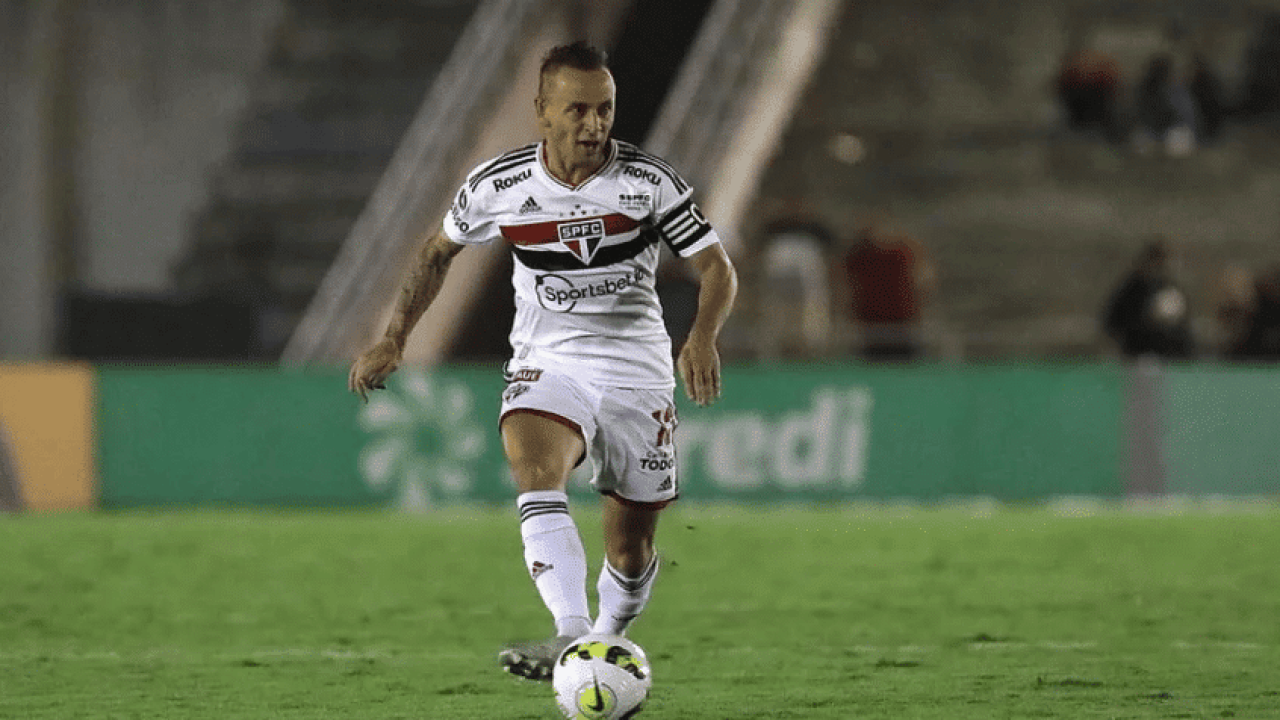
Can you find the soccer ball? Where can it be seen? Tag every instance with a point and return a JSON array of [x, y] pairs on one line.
[[601, 677]]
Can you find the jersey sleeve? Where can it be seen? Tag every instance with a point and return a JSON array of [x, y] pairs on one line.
[[680, 223], [467, 222], [685, 229]]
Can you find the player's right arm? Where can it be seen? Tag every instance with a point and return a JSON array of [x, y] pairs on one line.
[[371, 369]]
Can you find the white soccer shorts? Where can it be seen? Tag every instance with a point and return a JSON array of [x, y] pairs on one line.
[[629, 433]]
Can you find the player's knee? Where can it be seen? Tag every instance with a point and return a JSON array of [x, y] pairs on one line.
[[539, 474]]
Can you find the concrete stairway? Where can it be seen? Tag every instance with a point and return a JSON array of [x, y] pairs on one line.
[[341, 85]]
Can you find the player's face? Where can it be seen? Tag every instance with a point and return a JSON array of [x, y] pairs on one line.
[[575, 114]]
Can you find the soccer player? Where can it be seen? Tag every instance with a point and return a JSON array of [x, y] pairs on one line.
[[591, 371]]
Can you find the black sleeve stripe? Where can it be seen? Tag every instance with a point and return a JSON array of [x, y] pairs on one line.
[[635, 152], [508, 155], [680, 186], [676, 213], [683, 226], [510, 165], [654, 159], [505, 162], [688, 240], [501, 164], [677, 182]]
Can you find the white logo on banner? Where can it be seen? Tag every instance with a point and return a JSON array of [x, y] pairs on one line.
[[821, 446], [424, 440]]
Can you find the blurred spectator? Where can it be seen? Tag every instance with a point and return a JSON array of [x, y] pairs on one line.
[[1206, 92], [1149, 314], [887, 278], [1088, 87], [1262, 69], [796, 302], [1233, 309], [1166, 110], [1262, 339]]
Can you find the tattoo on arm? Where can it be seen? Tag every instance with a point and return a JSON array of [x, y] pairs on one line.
[[421, 286]]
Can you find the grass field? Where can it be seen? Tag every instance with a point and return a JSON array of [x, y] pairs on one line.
[[875, 612]]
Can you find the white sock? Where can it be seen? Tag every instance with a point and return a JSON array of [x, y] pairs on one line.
[[622, 599], [555, 559]]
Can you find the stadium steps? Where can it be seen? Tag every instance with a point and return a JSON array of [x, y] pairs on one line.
[[342, 82], [1031, 225]]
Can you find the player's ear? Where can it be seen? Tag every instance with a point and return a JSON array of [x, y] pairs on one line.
[[540, 110]]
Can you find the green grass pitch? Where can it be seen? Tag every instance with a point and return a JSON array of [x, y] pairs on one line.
[[861, 612]]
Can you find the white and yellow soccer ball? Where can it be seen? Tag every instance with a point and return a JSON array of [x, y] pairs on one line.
[[601, 677]]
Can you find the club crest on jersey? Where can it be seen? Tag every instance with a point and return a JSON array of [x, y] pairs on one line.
[[582, 238]]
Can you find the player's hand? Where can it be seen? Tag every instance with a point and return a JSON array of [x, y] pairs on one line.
[[371, 369], [699, 367]]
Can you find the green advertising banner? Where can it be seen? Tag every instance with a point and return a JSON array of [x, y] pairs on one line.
[[921, 432], [255, 436], [279, 437], [1222, 430]]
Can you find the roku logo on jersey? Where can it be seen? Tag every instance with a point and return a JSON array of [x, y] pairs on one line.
[[500, 184], [646, 175], [559, 294]]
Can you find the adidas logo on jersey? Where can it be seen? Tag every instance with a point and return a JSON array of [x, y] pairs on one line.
[[530, 206], [666, 484]]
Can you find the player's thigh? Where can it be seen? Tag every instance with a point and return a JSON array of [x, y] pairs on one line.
[[547, 423]]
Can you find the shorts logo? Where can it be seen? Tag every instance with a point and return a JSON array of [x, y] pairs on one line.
[[658, 461], [526, 375], [500, 184], [557, 293], [668, 421], [582, 238], [514, 391], [538, 567]]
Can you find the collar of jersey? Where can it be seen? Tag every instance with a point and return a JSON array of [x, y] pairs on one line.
[[542, 165]]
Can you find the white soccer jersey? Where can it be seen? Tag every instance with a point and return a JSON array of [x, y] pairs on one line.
[[585, 258]]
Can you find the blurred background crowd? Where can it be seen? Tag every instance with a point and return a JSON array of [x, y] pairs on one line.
[[1052, 179]]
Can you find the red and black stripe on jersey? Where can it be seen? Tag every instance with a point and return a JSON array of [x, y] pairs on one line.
[[524, 237], [555, 261], [545, 233]]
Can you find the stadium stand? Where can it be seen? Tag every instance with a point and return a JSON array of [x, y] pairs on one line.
[[342, 83], [953, 111]]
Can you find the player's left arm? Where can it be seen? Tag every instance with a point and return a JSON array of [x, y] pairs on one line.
[[699, 360]]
